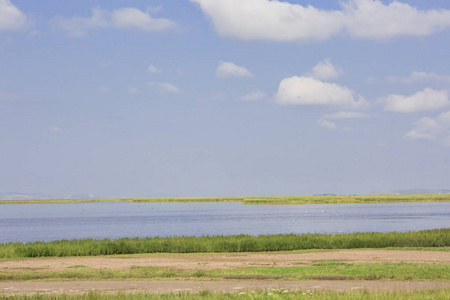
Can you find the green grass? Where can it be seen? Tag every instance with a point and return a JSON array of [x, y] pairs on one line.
[[237, 243], [264, 199], [270, 294], [76, 267], [342, 271], [325, 270]]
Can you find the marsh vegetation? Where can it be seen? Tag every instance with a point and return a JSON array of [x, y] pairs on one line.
[[236, 243], [264, 199]]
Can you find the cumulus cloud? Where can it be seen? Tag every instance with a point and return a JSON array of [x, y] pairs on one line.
[[254, 96], [229, 69], [346, 115], [284, 21], [11, 18], [437, 129], [325, 70], [126, 18], [327, 124], [309, 91], [428, 99], [373, 19], [420, 77], [153, 69], [166, 87], [270, 20]]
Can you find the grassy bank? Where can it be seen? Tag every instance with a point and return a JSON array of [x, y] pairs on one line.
[[326, 270], [270, 294], [238, 243], [264, 200]]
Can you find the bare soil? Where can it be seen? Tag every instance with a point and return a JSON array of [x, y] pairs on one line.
[[223, 260], [215, 261], [177, 286]]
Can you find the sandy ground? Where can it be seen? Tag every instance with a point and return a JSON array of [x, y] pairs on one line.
[[223, 260], [214, 261], [177, 286]]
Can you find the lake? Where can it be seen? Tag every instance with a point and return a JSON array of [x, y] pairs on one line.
[[56, 221]]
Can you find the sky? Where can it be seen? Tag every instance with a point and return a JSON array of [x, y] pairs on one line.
[[185, 98]]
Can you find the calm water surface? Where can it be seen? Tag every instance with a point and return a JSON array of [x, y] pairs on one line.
[[47, 222]]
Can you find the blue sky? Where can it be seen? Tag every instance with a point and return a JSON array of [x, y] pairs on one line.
[[223, 97]]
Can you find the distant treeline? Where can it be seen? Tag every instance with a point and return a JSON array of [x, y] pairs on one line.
[[236, 243]]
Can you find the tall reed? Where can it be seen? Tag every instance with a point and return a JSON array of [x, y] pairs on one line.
[[236, 243]]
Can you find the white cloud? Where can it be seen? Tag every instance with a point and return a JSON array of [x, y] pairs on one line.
[[420, 77], [229, 69], [254, 96], [325, 70], [437, 129], [164, 86], [153, 69], [11, 18], [270, 20], [309, 91], [428, 99], [346, 115], [130, 17], [374, 20], [127, 18], [425, 128], [169, 87], [284, 21], [327, 124], [78, 26]]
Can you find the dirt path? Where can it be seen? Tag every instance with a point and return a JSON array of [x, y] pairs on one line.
[[176, 286], [223, 260], [213, 261]]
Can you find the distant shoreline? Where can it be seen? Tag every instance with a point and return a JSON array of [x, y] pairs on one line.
[[328, 199]]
